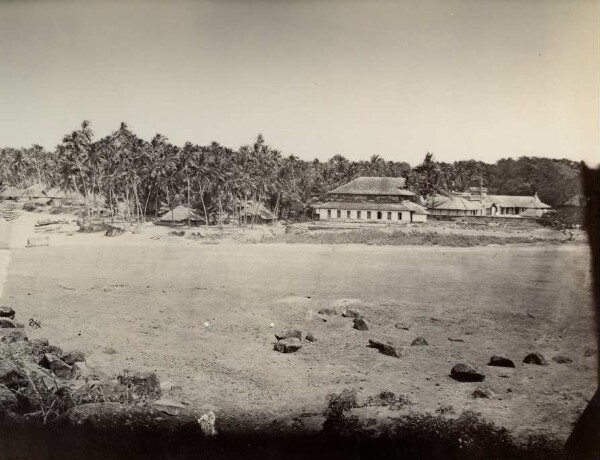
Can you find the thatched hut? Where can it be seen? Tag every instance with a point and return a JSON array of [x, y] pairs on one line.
[[11, 193], [180, 215], [263, 214], [35, 192]]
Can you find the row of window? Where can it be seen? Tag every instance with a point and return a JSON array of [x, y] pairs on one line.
[[359, 215]]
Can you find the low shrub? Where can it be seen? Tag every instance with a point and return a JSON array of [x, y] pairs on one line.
[[564, 218]]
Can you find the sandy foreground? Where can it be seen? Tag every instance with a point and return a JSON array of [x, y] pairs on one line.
[[200, 316]]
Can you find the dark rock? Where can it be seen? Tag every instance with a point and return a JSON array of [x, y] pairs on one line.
[[500, 361], [177, 233], [58, 367], [7, 312], [386, 348], [8, 400], [288, 334], [73, 357], [310, 337], [535, 358], [361, 324], [7, 323], [589, 352], [560, 359], [483, 392], [41, 377], [115, 416], [114, 231], [141, 384], [290, 345], [455, 339], [352, 313], [169, 406], [403, 326], [419, 341], [328, 311], [39, 347], [465, 373]]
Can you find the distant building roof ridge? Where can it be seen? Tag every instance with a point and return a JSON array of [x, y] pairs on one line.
[[365, 185]]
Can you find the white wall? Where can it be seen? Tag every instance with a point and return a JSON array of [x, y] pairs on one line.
[[404, 215]]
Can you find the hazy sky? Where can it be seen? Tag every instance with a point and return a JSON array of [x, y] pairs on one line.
[[465, 79]]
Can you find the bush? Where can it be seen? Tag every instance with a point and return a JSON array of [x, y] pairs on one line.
[[29, 206], [564, 218], [338, 417]]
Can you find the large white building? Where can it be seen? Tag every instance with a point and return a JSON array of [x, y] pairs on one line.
[[374, 199]]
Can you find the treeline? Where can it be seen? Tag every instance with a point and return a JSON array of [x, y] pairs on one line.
[[143, 177]]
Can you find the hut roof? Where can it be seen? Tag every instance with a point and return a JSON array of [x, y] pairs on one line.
[[55, 192], [452, 202], [11, 192], [262, 211], [179, 214], [35, 191], [373, 206], [507, 201], [374, 186]]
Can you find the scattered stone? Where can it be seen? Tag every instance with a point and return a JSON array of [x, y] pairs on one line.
[[454, 339], [560, 359], [352, 313], [419, 341], [535, 358], [290, 333], [39, 347], [41, 376], [386, 348], [109, 351], [289, 345], [73, 357], [483, 392], [465, 373], [403, 326], [177, 233], [7, 323], [168, 406], [8, 400], [361, 324], [7, 312], [141, 384], [10, 375], [500, 361], [310, 337], [61, 369], [328, 311]]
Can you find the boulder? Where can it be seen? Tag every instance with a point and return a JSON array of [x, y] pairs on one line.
[[361, 324], [41, 377], [114, 231], [73, 357], [10, 375], [8, 400], [13, 335], [403, 326], [328, 312], [535, 358], [310, 337], [7, 312], [589, 352], [115, 416], [351, 313], [500, 361], [290, 345], [465, 373], [290, 333], [386, 348], [561, 359], [39, 347], [169, 406], [483, 392], [419, 341], [6, 323], [58, 367], [141, 384]]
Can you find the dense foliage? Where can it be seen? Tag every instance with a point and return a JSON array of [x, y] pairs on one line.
[[139, 177]]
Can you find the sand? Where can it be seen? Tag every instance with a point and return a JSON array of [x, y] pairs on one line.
[[149, 300]]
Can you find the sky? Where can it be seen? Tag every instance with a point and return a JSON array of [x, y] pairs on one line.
[[464, 79]]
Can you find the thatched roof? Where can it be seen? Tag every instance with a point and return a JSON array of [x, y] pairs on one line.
[[55, 192], [452, 202], [508, 201], [180, 214], [11, 192], [373, 206], [387, 186], [35, 191], [262, 211]]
